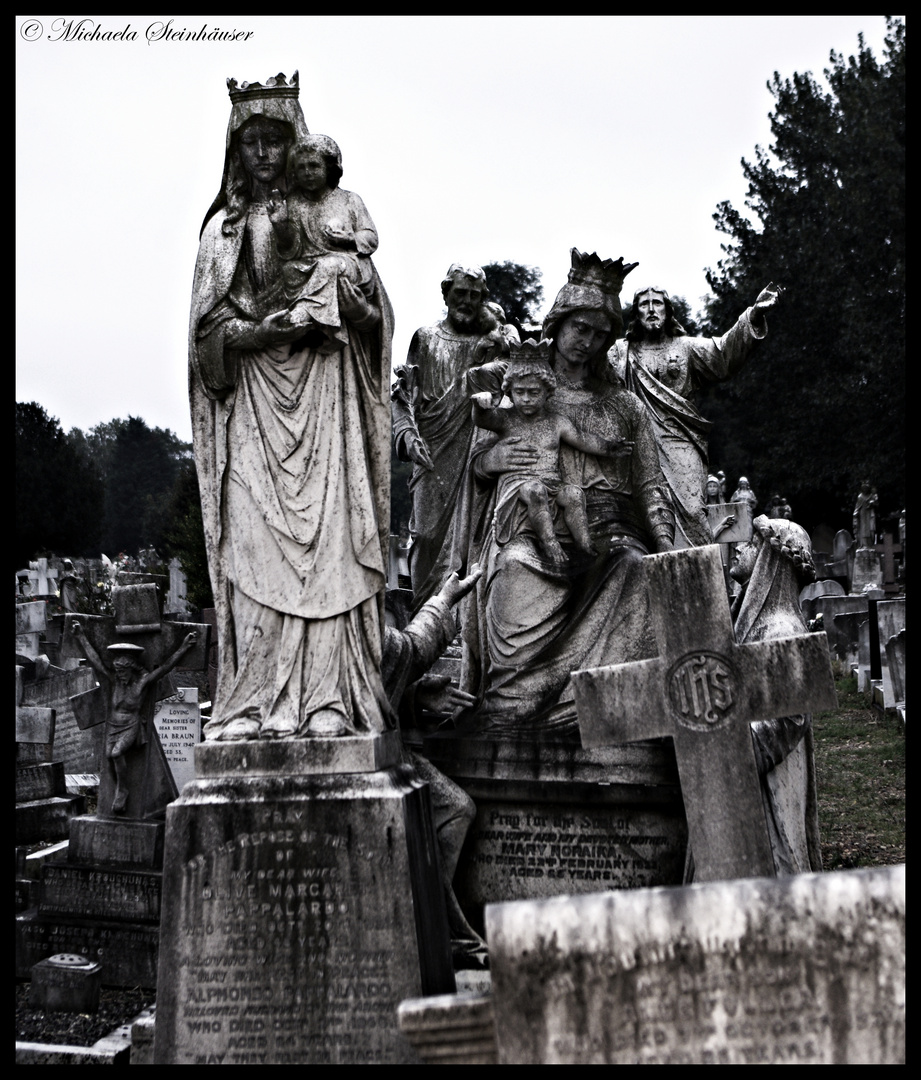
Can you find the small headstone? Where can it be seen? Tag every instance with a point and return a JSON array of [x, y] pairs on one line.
[[30, 628], [43, 807], [176, 598], [890, 619], [845, 634], [812, 592], [842, 555], [808, 969], [450, 1029], [867, 572], [823, 539], [895, 659], [178, 724]]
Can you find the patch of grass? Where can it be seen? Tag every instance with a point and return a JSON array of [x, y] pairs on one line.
[[860, 771]]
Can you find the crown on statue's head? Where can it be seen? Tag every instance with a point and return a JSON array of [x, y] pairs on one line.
[[530, 352], [277, 87], [607, 274]]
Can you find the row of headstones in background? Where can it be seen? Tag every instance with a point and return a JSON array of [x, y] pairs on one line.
[[876, 567], [808, 969], [864, 632], [40, 579]]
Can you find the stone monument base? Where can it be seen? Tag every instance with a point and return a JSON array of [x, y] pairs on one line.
[[299, 910], [553, 818], [867, 573]]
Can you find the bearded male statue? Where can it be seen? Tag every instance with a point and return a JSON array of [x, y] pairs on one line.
[[665, 368], [432, 424]]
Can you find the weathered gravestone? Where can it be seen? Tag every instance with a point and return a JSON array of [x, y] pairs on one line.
[[890, 620], [30, 628], [808, 969], [842, 556], [44, 810], [552, 817], [178, 723], [895, 660], [704, 691]]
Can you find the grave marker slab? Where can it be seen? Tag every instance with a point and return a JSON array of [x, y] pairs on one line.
[[808, 969], [890, 620], [704, 690], [178, 724]]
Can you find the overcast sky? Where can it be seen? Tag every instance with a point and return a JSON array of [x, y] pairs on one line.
[[470, 139]]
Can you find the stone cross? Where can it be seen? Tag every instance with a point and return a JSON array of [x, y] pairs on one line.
[[137, 620], [888, 549], [704, 690], [43, 578]]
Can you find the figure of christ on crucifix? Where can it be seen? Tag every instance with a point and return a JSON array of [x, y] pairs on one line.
[[128, 683], [705, 690]]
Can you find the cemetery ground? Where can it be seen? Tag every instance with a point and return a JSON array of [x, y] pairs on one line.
[[860, 765]]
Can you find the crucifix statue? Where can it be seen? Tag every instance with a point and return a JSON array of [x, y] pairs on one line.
[[129, 655], [705, 690]]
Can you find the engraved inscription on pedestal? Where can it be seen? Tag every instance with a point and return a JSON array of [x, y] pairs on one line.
[[518, 851], [295, 929]]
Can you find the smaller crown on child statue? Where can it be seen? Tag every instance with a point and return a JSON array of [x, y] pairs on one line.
[[278, 86], [607, 274], [530, 351]]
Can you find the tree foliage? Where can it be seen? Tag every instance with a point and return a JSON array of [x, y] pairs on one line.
[[184, 536], [139, 466], [82, 493], [517, 288], [58, 493], [820, 407]]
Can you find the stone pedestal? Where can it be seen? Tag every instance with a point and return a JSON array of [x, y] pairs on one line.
[[553, 818], [302, 903], [867, 573]]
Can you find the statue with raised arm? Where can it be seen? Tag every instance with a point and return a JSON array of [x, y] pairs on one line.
[[432, 424], [130, 708], [665, 367]]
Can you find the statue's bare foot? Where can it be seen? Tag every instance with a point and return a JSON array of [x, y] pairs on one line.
[[327, 724], [237, 730], [279, 727], [120, 801]]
